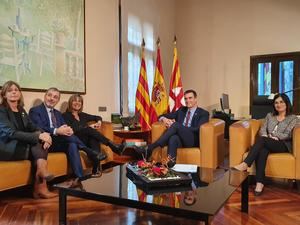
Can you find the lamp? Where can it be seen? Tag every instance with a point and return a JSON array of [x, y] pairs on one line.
[[272, 95]]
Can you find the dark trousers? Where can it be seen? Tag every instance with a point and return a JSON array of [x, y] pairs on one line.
[[177, 136], [92, 138], [70, 145], [259, 153]]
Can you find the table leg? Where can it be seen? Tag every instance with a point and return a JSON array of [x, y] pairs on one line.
[[245, 195], [62, 207], [208, 220]]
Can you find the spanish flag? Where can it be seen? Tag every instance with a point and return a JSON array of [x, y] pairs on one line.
[[159, 99], [176, 98], [142, 100]]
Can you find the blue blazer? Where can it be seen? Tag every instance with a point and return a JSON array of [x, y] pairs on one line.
[[200, 117], [39, 116]]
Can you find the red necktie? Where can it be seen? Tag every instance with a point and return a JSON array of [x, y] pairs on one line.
[[186, 124], [53, 119]]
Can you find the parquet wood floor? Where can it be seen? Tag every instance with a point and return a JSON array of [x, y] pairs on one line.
[[279, 204]]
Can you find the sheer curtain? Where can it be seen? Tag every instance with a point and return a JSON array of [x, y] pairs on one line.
[[136, 25], [136, 32]]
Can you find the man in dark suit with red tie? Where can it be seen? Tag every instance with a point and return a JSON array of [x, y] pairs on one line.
[[183, 128], [46, 117]]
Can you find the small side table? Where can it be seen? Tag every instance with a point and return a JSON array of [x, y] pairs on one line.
[[122, 135]]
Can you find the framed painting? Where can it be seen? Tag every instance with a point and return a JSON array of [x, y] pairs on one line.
[[42, 44]]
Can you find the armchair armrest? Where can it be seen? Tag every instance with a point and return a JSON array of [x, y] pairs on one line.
[[158, 128], [296, 149], [211, 142], [107, 130], [240, 141], [255, 127]]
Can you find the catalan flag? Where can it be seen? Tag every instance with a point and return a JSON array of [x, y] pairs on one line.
[[142, 100], [176, 98], [159, 99]]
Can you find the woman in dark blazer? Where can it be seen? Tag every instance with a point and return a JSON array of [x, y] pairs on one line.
[[275, 136], [87, 133], [20, 139]]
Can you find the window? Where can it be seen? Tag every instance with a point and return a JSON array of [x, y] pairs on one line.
[[276, 73], [136, 32]]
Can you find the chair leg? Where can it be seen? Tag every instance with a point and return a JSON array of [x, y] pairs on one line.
[[296, 184], [251, 179]]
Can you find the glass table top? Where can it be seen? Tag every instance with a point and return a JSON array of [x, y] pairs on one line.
[[209, 190]]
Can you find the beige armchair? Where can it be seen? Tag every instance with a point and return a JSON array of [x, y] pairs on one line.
[[211, 152], [279, 165]]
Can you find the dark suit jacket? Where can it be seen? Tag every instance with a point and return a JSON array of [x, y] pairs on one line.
[[84, 118], [39, 116], [10, 133], [200, 117]]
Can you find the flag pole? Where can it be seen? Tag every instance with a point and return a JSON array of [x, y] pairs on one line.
[[158, 42], [176, 90]]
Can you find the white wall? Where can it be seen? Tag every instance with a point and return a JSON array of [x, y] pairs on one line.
[[102, 55], [216, 39]]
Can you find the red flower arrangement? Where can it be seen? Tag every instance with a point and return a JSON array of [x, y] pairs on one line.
[[155, 169]]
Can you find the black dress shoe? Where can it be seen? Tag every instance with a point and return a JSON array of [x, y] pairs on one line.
[[94, 154], [171, 163], [75, 183], [139, 150], [143, 151], [96, 175]]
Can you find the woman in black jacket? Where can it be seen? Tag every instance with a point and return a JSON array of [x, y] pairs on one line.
[[20, 139], [86, 132]]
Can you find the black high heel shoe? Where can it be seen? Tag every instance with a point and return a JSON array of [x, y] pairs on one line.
[[258, 193], [117, 148]]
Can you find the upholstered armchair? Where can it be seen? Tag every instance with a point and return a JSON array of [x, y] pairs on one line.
[[279, 165], [211, 152]]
